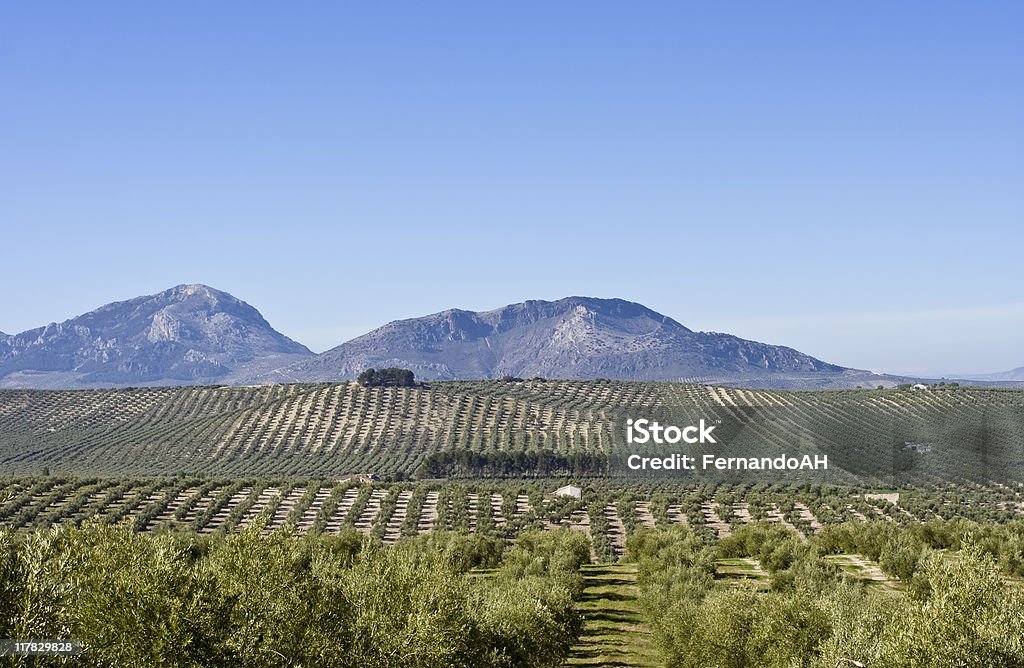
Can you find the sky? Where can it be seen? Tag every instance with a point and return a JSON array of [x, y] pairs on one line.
[[843, 178]]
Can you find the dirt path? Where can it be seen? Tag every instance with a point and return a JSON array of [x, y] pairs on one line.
[[712, 520], [864, 569], [616, 530], [644, 515], [614, 633]]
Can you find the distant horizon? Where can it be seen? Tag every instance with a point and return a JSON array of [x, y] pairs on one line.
[[359, 331], [842, 179]]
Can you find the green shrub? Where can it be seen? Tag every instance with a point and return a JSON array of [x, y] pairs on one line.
[[253, 601]]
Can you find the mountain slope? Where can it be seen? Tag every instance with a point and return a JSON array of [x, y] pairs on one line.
[[330, 430], [187, 334], [1012, 375], [572, 338]]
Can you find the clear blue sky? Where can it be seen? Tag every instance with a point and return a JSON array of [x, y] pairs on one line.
[[846, 178]]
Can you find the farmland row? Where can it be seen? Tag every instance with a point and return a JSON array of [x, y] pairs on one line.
[[390, 511], [490, 428]]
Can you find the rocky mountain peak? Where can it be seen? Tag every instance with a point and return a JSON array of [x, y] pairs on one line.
[[574, 338], [193, 333], [190, 333]]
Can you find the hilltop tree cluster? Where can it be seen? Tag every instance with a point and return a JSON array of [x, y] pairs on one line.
[[390, 377]]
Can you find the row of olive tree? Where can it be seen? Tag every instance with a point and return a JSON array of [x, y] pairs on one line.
[[959, 611], [900, 549], [286, 600]]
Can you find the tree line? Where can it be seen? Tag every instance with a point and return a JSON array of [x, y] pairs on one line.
[[389, 377], [467, 463]]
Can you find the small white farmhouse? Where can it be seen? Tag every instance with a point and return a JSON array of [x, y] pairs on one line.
[[917, 387], [569, 490]]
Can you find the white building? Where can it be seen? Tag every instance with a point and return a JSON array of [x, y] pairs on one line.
[[569, 490]]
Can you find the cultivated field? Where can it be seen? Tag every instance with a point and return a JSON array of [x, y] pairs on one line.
[[252, 573], [609, 513], [232, 513], [494, 428]]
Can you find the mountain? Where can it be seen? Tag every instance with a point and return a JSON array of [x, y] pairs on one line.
[[188, 334], [572, 338], [1015, 374], [1012, 375]]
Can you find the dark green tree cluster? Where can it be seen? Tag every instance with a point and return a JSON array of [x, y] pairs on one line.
[[390, 377], [500, 463]]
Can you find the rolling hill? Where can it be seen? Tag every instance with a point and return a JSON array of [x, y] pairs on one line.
[[484, 428], [1012, 376]]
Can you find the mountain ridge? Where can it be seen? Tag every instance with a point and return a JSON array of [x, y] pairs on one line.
[[574, 337], [1011, 375], [187, 334], [194, 334]]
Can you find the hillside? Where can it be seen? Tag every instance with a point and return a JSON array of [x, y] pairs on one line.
[[185, 335], [1012, 375], [493, 428], [574, 338]]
